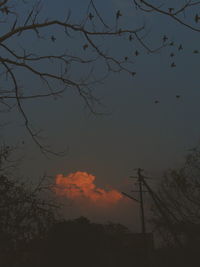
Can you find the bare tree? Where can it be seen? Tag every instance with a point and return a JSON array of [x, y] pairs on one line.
[[179, 194], [26, 212], [88, 48], [55, 72], [18, 58]]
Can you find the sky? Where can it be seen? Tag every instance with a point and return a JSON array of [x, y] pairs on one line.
[[134, 131]]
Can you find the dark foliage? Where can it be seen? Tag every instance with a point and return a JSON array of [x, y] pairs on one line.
[[82, 243], [25, 212]]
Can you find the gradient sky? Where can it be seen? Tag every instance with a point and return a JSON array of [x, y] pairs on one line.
[[137, 132]]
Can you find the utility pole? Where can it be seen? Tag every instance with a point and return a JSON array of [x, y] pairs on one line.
[[140, 190], [140, 181], [164, 211]]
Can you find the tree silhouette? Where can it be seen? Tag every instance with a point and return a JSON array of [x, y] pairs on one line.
[[24, 59], [88, 41], [179, 195], [81, 242], [25, 212]]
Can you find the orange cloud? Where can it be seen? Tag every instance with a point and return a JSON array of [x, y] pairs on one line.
[[80, 185]]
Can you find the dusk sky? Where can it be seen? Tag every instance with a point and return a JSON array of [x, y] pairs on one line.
[[134, 131]]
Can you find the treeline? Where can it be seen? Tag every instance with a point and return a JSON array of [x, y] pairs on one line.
[[33, 234]]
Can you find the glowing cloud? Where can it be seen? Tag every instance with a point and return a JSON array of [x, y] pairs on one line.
[[80, 185]]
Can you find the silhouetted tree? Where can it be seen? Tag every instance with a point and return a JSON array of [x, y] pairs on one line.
[[179, 194], [87, 39], [25, 212], [54, 72], [81, 242]]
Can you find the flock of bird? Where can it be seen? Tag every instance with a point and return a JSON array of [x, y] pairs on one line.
[[136, 53]]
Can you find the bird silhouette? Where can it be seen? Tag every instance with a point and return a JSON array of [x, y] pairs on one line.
[[130, 37], [136, 53], [90, 16], [178, 96], [197, 18], [171, 44], [173, 65], [156, 101], [196, 52], [125, 58], [180, 47], [53, 38], [171, 9], [85, 46], [5, 10], [172, 55], [165, 38], [118, 14]]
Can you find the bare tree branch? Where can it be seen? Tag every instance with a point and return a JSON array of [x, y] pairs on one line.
[[57, 72], [170, 13]]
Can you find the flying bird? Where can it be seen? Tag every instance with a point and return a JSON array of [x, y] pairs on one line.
[[196, 52], [165, 38], [197, 18], [173, 65], [130, 38], [178, 96], [170, 9], [136, 53], [180, 47], [53, 38], [90, 16], [156, 101], [171, 55], [85, 46], [118, 14], [5, 10]]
